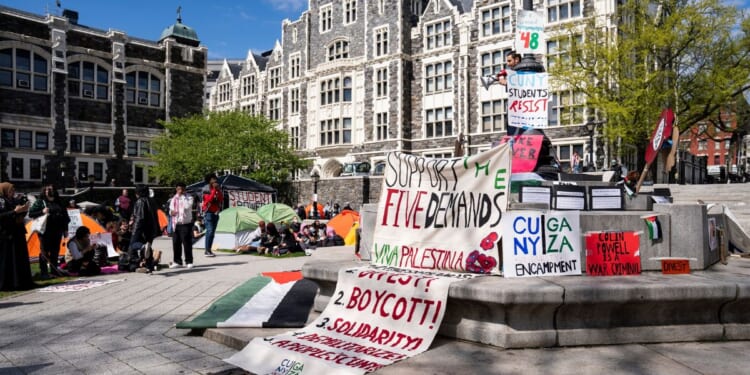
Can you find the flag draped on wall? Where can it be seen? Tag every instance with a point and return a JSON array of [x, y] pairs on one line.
[[654, 227]]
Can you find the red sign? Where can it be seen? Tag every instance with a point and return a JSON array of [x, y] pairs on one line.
[[613, 253], [675, 266], [525, 151], [662, 131]]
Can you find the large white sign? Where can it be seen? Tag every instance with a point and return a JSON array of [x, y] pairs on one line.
[[528, 95], [251, 199], [530, 37]]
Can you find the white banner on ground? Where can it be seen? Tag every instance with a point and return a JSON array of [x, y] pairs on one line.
[[541, 243], [251, 199], [528, 95], [376, 316], [442, 214]]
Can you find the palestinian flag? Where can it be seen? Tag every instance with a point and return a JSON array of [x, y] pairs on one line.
[[654, 227], [260, 302]]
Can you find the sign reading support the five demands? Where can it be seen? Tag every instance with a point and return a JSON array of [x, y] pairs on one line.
[[530, 37], [442, 214], [528, 94], [613, 253], [541, 244]]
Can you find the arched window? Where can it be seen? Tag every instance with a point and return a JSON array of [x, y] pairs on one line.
[[143, 88], [338, 50], [88, 80], [23, 69]]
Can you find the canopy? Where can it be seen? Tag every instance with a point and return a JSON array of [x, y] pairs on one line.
[[277, 212], [33, 241], [238, 219], [344, 222], [239, 191]]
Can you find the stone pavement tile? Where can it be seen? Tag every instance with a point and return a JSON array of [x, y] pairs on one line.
[[169, 368], [109, 344], [167, 347], [115, 368], [202, 344], [135, 352], [203, 363], [50, 369], [147, 339], [709, 357], [227, 369], [184, 355], [143, 363]]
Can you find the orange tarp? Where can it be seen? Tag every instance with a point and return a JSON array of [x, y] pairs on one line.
[[163, 221], [343, 223], [33, 240], [321, 212]]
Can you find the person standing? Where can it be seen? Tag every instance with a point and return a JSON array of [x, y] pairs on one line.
[[145, 229], [123, 205], [56, 227], [213, 201], [181, 212], [15, 269]]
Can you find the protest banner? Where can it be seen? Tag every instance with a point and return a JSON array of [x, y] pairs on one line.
[[376, 316], [541, 243], [250, 199], [525, 150], [613, 253], [442, 214], [528, 94], [75, 221]]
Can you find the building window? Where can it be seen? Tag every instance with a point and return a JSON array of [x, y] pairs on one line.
[[350, 11], [439, 77], [248, 85], [381, 7], [145, 148], [274, 78], [76, 143], [438, 35], [702, 145], [294, 35], [9, 138], [274, 109], [493, 115], [98, 171], [338, 50], [42, 141], [565, 108], [89, 145], [381, 82], [558, 50], [439, 155], [496, 20], [294, 137], [24, 139], [727, 143], [332, 90], [103, 145], [294, 101], [336, 131], [225, 92], [561, 10], [347, 89], [381, 41], [143, 88], [381, 126], [294, 66], [717, 159], [88, 80], [439, 122], [35, 169], [16, 168], [138, 174], [416, 7], [23, 69], [132, 148], [326, 18], [83, 170], [494, 62]]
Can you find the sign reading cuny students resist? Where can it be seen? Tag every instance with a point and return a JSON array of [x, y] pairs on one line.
[[376, 316], [442, 214], [528, 94], [613, 253], [541, 244]]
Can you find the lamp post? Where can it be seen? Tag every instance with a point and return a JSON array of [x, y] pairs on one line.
[[315, 176], [91, 180], [62, 176], [591, 127]]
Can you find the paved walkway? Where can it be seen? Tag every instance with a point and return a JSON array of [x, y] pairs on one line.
[[128, 328]]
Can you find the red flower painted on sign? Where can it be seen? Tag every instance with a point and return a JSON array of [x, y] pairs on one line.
[[489, 241], [480, 263]]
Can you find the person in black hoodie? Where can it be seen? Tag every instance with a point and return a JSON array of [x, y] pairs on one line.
[[145, 230], [49, 204], [15, 271]]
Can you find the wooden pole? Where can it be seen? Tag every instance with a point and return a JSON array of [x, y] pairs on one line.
[[642, 177]]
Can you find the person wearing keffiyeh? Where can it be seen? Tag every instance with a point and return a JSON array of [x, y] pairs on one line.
[[180, 208]]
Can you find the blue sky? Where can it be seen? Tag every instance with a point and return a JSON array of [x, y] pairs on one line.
[[228, 28]]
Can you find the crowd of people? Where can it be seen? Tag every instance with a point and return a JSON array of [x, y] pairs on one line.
[[289, 237]]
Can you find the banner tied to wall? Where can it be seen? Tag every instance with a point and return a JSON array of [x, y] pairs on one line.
[[438, 221]]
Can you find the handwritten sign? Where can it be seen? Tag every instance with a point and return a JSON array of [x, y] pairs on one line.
[[530, 36], [251, 199], [376, 316], [528, 94], [541, 244], [675, 266], [525, 151], [442, 214], [75, 221], [613, 253], [106, 240]]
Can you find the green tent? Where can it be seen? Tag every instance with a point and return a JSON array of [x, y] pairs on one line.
[[277, 212], [238, 219]]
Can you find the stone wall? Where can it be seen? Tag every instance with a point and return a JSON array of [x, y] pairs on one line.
[[356, 190]]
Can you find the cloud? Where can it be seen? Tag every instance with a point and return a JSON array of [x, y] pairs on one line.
[[288, 5]]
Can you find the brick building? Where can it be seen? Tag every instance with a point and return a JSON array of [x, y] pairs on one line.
[[81, 105]]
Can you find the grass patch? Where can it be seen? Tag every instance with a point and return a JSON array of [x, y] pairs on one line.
[[40, 283]]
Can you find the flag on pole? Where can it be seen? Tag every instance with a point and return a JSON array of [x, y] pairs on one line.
[[654, 227]]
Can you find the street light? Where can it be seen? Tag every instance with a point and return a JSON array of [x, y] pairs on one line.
[[315, 176], [591, 127]]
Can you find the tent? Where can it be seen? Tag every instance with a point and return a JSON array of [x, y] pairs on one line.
[[163, 220], [321, 211], [344, 223], [239, 191], [234, 228], [33, 241], [277, 212]]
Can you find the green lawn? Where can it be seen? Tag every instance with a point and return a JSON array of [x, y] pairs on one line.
[[39, 282]]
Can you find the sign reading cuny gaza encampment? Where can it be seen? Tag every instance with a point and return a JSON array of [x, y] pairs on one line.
[[442, 214], [528, 94]]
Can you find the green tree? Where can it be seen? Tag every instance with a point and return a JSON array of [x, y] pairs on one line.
[[193, 146], [690, 55]]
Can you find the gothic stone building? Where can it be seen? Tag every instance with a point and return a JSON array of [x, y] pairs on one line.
[[80, 104], [353, 79]]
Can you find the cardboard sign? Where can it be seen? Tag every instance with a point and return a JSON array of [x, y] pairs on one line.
[[442, 214], [541, 244], [75, 221], [528, 94], [250, 199], [663, 130], [613, 253], [525, 150], [530, 36], [675, 266]]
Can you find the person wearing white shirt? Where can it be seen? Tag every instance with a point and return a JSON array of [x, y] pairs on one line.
[[181, 211]]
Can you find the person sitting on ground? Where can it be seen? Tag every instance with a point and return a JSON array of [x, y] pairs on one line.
[[255, 239], [332, 239], [295, 225], [198, 229], [269, 240], [80, 256], [122, 245], [307, 240], [287, 242]]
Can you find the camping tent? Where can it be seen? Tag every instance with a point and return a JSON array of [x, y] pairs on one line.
[[234, 228], [277, 212], [321, 211], [344, 223], [240, 191], [33, 241]]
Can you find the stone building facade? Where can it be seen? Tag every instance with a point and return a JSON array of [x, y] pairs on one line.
[[80, 105], [351, 80]]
